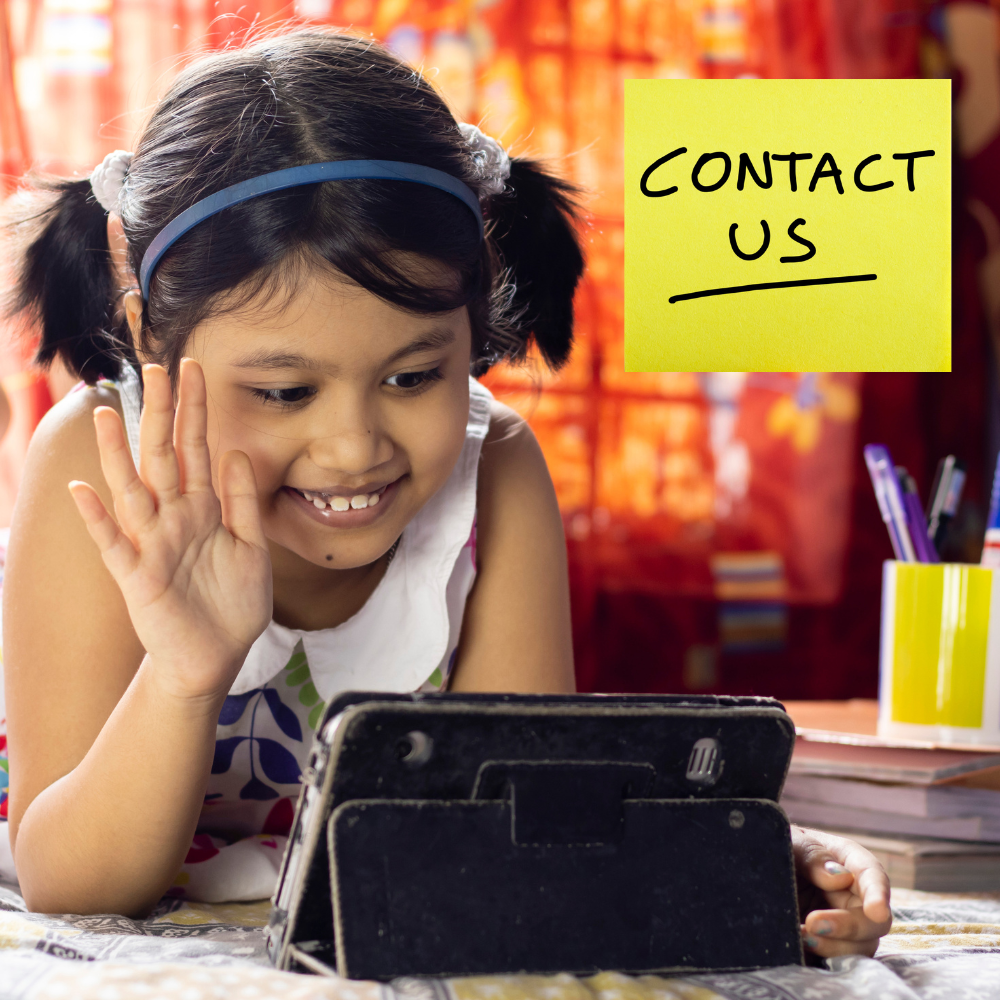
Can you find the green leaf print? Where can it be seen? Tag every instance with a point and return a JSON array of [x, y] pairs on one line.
[[297, 675], [315, 715]]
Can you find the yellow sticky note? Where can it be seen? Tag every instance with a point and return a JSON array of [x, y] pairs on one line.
[[787, 225]]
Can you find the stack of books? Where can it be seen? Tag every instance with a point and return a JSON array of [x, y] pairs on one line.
[[930, 814]]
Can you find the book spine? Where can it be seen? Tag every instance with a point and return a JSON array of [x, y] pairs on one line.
[[844, 817]]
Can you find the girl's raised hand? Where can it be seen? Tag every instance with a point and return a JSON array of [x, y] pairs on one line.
[[843, 894], [193, 567]]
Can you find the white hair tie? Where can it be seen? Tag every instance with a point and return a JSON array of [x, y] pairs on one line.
[[108, 179], [492, 164]]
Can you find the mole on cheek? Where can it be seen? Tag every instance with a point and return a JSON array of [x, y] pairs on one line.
[[329, 558]]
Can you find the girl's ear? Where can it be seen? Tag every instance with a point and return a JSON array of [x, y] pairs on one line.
[[118, 248], [132, 301]]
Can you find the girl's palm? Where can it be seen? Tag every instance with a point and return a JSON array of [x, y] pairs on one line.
[[192, 566]]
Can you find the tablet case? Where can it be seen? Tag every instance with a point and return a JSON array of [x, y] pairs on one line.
[[448, 834]]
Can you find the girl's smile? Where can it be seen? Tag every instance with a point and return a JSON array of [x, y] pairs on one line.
[[338, 507]]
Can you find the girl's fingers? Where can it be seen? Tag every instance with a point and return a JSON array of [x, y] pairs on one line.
[[190, 429], [842, 932], [157, 458], [871, 883], [844, 925], [133, 502], [238, 496], [118, 552], [851, 877], [836, 864], [831, 947], [816, 857], [826, 871]]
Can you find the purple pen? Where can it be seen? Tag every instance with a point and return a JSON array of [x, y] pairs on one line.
[[915, 520], [890, 500]]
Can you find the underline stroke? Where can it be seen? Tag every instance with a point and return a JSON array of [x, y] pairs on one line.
[[772, 284]]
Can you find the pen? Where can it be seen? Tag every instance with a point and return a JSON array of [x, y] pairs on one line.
[[915, 522], [945, 495], [991, 543], [890, 500]]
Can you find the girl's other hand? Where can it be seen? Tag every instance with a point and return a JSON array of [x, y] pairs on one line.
[[843, 894], [195, 572]]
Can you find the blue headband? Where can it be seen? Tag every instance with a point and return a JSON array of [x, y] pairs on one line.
[[310, 173]]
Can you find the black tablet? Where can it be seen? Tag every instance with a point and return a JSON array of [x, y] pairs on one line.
[[452, 834]]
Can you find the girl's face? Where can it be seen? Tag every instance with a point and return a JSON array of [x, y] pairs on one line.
[[352, 411]]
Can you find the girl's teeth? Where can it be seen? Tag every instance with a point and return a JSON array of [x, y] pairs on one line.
[[359, 502]]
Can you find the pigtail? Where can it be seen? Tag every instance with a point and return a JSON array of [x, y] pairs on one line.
[[65, 281], [534, 231]]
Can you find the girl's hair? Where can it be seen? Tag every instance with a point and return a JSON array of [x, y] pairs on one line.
[[297, 98]]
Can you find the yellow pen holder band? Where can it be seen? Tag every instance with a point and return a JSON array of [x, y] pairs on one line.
[[939, 662]]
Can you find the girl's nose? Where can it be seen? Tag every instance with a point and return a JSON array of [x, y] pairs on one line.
[[350, 442]]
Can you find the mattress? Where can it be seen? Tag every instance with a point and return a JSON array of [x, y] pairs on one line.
[[940, 946]]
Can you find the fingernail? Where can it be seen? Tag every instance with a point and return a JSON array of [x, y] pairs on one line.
[[834, 869], [823, 928], [811, 942]]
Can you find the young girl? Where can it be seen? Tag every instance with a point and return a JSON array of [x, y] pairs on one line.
[[316, 498]]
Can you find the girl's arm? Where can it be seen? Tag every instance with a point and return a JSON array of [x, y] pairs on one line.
[[516, 632], [110, 749]]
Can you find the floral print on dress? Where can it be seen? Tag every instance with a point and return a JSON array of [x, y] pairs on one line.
[[274, 760], [262, 742], [264, 736]]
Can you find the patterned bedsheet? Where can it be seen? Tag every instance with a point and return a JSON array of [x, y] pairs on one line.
[[941, 948]]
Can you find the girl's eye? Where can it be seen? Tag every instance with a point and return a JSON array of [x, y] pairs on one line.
[[414, 380], [284, 397]]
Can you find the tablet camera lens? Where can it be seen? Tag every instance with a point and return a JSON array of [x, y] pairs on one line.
[[413, 749]]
